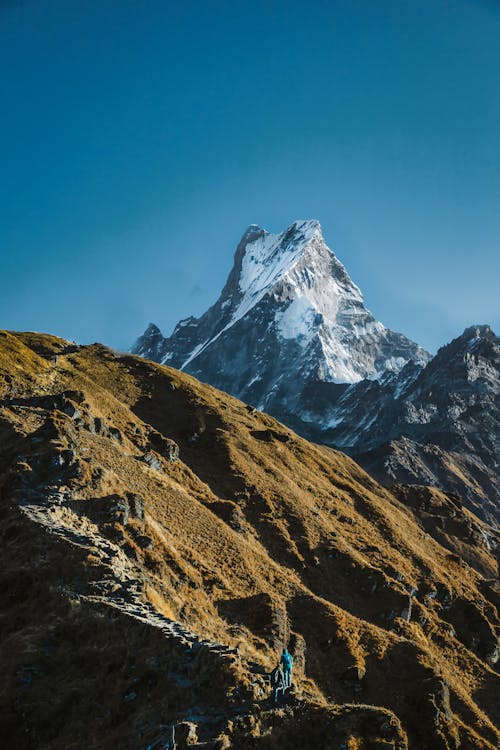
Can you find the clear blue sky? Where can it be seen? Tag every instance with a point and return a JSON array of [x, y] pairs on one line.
[[139, 139]]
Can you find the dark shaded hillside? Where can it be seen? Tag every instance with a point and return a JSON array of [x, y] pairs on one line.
[[151, 525]]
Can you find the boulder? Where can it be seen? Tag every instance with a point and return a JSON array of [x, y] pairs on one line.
[[153, 460], [70, 409], [171, 450], [136, 506], [145, 542], [121, 509], [115, 434], [186, 734], [97, 426], [297, 648], [164, 446]]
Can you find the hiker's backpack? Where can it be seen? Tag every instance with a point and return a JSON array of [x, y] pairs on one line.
[[276, 677]]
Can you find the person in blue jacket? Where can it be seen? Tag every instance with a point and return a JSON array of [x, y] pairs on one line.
[[286, 663]]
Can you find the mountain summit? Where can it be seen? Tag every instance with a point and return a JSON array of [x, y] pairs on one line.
[[290, 334], [289, 313]]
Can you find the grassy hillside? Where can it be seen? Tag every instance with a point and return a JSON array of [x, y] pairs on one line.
[[161, 541]]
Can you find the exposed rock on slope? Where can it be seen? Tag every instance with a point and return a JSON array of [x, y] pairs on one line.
[[444, 517], [151, 524]]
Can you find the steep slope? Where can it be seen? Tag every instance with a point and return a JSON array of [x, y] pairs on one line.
[[151, 524], [438, 425], [290, 333], [288, 314]]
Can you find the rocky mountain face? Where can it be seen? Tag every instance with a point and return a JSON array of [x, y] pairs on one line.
[[288, 314], [291, 335], [437, 425], [160, 542]]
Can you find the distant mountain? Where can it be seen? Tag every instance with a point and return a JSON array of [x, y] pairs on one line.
[[288, 314], [437, 425], [291, 335]]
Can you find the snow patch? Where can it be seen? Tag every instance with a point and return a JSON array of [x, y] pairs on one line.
[[255, 379], [193, 354], [395, 364], [296, 320]]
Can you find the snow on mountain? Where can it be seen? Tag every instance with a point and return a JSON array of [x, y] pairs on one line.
[[289, 313], [444, 428], [268, 258], [291, 335], [436, 425]]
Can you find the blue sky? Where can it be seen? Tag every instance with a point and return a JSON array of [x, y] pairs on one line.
[[138, 140]]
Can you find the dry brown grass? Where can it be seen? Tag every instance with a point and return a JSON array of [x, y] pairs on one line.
[[256, 536]]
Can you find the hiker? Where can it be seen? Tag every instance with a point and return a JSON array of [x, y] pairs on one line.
[[286, 662], [277, 682]]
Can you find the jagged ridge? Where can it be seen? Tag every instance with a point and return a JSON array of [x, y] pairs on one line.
[[436, 425]]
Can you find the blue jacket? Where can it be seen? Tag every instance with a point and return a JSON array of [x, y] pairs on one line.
[[286, 660]]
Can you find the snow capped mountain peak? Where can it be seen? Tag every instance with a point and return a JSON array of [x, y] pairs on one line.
[[267, 258], [251, 232], [317, 303], [289, 313], [265, 255], [290, 334]]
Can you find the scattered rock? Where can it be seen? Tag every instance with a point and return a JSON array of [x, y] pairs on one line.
[[153, 461], [136, 505]]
